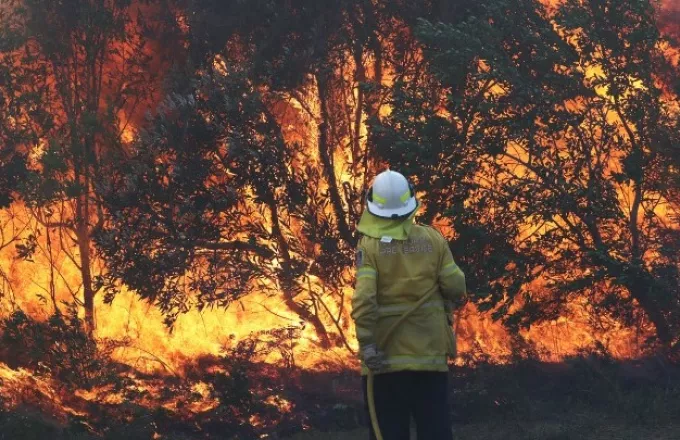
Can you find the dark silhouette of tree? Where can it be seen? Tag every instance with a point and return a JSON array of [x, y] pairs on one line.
[[540, 144], [252, 174], [72, 76], [547, 145]]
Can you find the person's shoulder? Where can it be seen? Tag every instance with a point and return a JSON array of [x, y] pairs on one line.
[[367, 242], [429, 230]]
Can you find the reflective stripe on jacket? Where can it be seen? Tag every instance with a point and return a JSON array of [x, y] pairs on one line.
[[391, 277]]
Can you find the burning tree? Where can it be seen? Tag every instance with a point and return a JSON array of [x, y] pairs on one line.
[[538, 143], [542, 142], [526, 142], [251, 175], [72, 79]]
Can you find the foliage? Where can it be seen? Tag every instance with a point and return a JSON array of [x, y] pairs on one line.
[[235, 185], [539, 145], [59, 347]]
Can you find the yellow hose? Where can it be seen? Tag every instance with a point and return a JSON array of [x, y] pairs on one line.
[[381, 345]]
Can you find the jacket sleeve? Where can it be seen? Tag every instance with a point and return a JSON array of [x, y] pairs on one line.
[[451, 277], [364, 301]]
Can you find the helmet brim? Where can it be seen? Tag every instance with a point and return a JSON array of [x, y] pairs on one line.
[[404, 211]]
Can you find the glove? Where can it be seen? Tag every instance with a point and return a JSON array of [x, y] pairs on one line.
[[374, 359]]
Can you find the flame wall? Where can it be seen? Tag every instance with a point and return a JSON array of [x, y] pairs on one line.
[[29, 286]]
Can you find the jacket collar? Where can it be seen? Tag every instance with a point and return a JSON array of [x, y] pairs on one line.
[[377, 227]]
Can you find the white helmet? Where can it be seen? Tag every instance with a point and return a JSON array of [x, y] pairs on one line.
[[391, 196]]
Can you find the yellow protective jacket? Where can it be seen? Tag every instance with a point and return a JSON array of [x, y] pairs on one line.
[[393, 273]]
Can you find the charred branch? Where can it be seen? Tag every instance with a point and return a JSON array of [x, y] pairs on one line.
[[326, 154]]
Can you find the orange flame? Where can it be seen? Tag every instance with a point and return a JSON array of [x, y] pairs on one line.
[[213, 332]]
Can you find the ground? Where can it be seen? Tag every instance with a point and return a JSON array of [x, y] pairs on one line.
[[584, 398], [539, 431]]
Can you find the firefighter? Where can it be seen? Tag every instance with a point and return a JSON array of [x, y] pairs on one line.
[[399, 263]]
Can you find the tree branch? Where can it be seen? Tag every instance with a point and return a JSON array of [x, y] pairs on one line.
[[235, 246]]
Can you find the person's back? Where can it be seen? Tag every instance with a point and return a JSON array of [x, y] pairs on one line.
[[398, 265], [407, 270]]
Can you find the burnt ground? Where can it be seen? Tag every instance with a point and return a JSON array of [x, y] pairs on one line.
[[582, 398]]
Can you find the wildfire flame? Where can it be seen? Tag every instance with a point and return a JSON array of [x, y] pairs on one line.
[[213, 332]]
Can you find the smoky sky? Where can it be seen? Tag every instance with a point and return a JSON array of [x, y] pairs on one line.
[[669, 18]]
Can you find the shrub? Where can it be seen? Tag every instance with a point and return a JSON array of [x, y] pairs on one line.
[[59, 347]]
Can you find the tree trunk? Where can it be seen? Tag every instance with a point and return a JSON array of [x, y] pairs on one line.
[[307, 317], [326, 155], [288, 291], [83, 236], [641, 289]]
